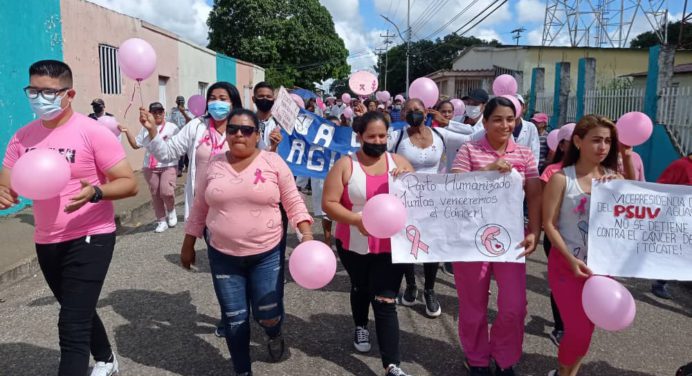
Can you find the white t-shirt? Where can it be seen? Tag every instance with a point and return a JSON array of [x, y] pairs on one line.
[[166, 131]]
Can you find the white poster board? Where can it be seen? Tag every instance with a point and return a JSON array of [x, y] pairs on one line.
[[641, 230], [285, 110], [475, 216]]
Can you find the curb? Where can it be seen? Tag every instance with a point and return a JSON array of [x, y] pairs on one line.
[[30, 267]]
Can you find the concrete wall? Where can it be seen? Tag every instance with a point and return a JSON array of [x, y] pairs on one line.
[[225, 69], [197, 64], [33, 30], [244, 81]]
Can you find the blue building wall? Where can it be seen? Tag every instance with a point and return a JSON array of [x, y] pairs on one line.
[[226, 69], [31, 31]]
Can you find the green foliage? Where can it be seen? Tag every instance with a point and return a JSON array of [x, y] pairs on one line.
[[294, 40], [426, 57], [649, 38]]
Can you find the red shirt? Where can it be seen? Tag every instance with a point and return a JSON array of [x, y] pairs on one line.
[[679, 172]]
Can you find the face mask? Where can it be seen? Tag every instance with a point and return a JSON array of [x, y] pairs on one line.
[[415, 119], [45, 109], [374, 150], [473, 111], [219, 110], [97, 109], [264, 105], [397, 107]]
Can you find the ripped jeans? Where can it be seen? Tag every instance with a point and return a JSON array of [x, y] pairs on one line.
[[242, 283]]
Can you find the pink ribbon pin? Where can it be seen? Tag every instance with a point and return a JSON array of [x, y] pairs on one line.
[[259, 177], [413, 234], [581, 208]]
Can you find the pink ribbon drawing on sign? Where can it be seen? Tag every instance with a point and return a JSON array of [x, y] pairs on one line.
[[413, 234], [259, 177]]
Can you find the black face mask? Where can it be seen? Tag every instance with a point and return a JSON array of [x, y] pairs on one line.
[[374, 150], [264, 105], [97, 109], [415, 119]]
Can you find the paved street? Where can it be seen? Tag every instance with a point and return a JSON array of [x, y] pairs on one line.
[[161, 319]]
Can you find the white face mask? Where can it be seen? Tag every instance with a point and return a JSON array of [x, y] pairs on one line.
[[473, 112], [46, 109]]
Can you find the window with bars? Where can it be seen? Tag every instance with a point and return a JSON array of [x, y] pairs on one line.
[[111, 82]]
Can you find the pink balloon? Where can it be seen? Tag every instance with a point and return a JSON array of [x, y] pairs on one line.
[[515, 101], [137, 58], [566, 132], [504, 84], [312, 264], [197, 104], [424, 89], [40, 174], [383, 96], [320, 104], [552, 139], [111, 123], [384, 215], [348, 113], [363, 83], [634, 128], [459, 107], [346, 98], [608, 304], [299, 101]]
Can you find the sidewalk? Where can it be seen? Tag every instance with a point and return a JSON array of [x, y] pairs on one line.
[[17, 252]]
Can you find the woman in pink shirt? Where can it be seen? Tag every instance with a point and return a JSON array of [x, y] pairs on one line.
[[75, 231], [236, 210], [497, 152], [374, 279]]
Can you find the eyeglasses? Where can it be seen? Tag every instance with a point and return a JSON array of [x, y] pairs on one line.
[[47, 94], [246, 130]]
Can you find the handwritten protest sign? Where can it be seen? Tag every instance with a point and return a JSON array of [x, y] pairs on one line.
[[285, 110], [315, 145], [641, 230], [476, 216]]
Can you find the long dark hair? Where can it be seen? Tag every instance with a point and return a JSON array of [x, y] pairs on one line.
[[559, 154], [494, 104], [232, 91], [583, 127]]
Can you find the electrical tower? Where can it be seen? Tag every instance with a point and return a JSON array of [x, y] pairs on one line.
[[601, 23], [387, 41]]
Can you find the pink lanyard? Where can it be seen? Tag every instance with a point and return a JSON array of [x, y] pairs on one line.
[[152, 160], [212, 140]]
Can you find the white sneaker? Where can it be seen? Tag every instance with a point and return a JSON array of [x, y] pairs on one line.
[[361, 339], [172, 218], [106, 369], [161, 227]]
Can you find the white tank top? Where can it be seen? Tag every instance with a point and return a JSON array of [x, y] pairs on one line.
[[426, 160], [573, 223]]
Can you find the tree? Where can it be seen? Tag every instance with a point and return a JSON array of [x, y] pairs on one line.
[[339, 87], [649, 38], [294, 40], [426, 57]]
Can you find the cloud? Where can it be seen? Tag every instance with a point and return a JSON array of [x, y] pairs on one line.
[[530, 10], [187, 18]]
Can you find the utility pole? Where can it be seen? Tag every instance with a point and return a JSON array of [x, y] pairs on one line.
[[517, 33], [406, 40], [387, 41]]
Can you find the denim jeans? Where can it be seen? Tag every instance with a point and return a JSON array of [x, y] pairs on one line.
[[243, 284]]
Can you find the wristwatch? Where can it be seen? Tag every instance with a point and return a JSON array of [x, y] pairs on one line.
[[98, 195]]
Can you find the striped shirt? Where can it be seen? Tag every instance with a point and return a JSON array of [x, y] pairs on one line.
[[543, 141], [474, 156]]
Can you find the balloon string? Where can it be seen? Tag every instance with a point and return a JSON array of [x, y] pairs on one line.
[[139, 86], [132, 98]]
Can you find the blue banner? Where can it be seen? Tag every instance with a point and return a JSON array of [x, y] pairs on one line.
[[315, 145]]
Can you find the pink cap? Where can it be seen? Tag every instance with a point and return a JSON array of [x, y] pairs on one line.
[[540, 118], [566, 132]]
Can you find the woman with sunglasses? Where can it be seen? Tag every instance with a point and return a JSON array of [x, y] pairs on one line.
[[200, 139], [237, 211]]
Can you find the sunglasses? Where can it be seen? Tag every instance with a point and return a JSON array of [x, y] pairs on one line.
[[246, 130]]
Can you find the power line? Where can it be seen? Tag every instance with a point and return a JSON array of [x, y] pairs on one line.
[[443, 27]]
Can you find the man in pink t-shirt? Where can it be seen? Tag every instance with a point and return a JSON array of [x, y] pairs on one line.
[[75, 231]]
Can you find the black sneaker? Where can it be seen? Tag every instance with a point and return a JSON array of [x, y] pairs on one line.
[[244, 374], [504, 372], [220, 332], [432, 305], [361, 339], [660, 290], [447, 269], [476, 371], [410, 295], [556, 336], [276, 347], [393, 370]]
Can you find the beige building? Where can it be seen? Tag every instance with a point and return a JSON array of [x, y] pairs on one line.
[[478, 66]]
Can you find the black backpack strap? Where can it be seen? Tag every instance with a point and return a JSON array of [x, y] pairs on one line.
[[398, 141]]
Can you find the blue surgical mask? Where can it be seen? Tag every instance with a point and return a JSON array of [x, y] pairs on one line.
[[219, 110], [46, 109]]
